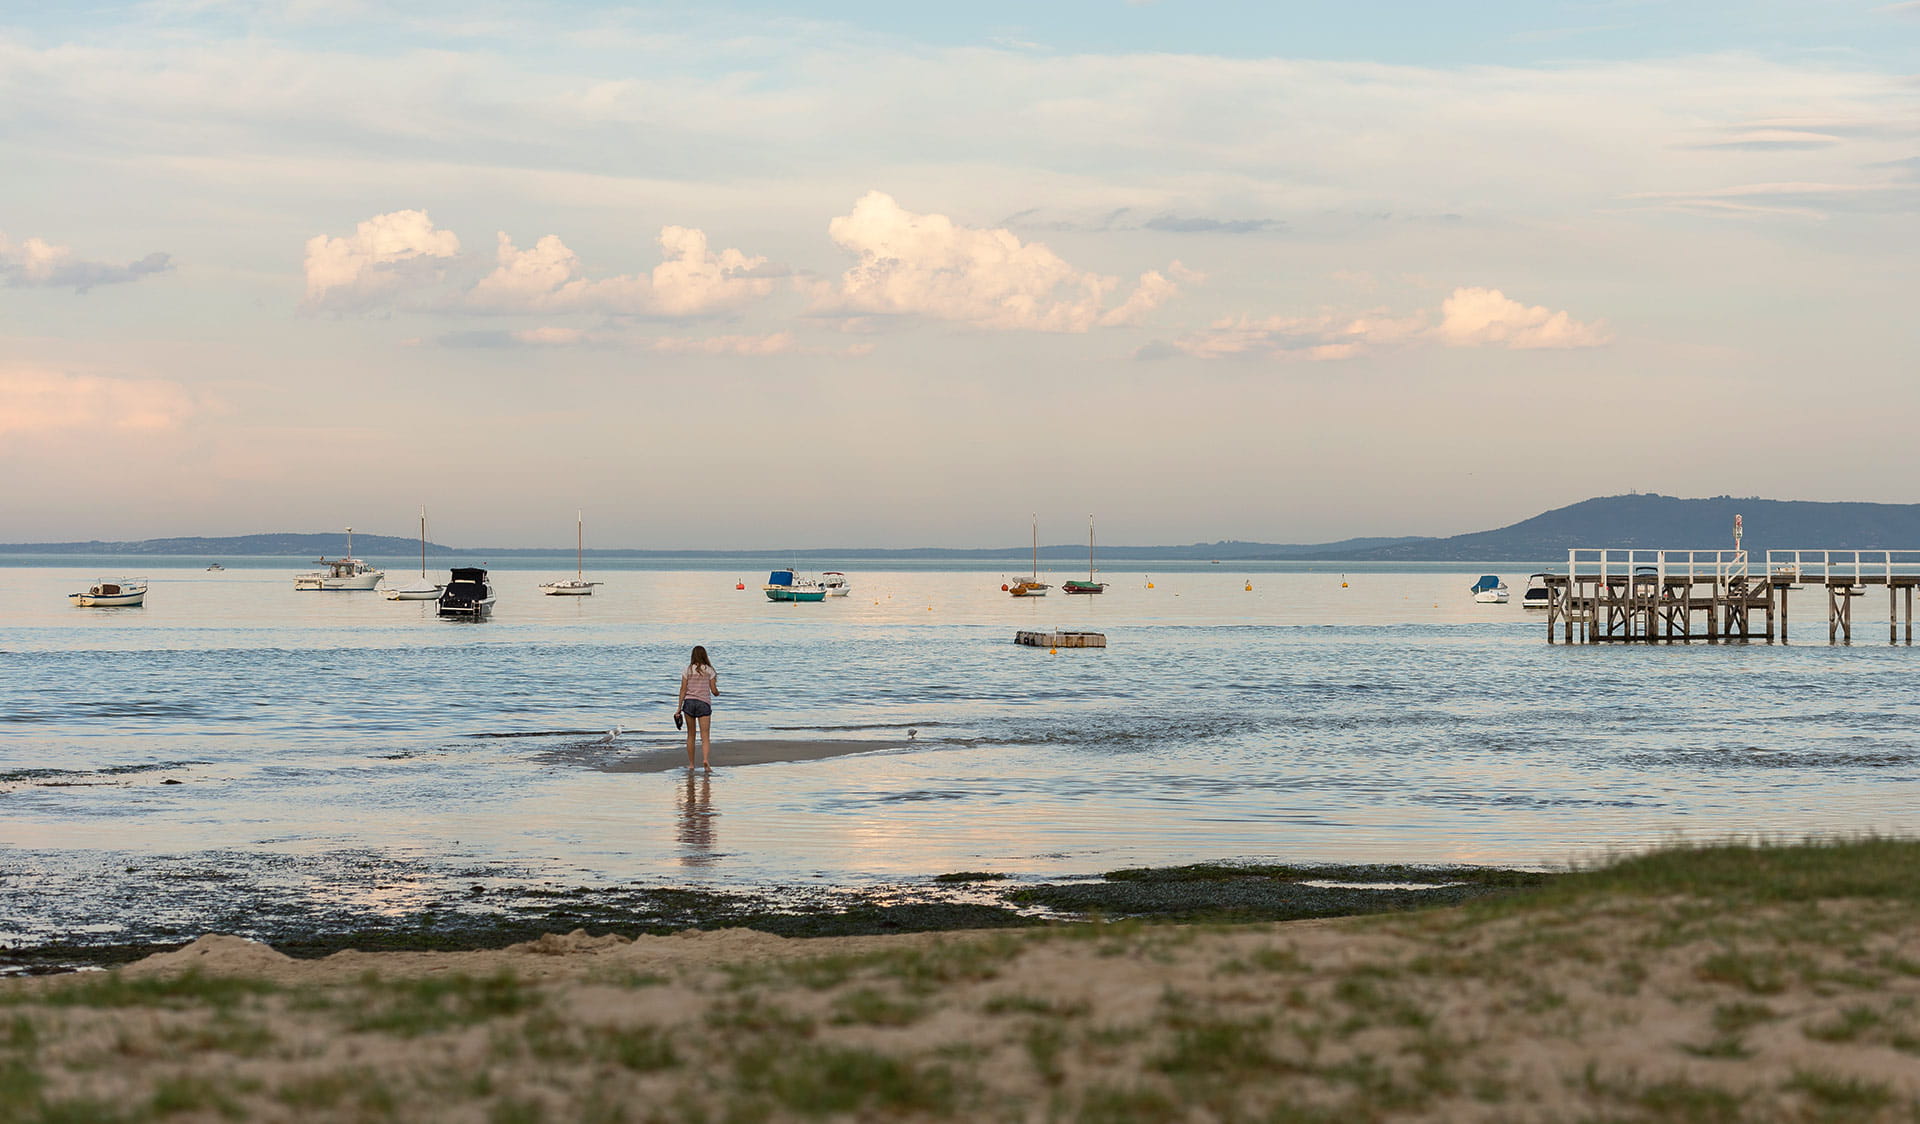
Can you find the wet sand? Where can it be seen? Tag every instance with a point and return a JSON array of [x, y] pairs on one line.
[[749, 751]]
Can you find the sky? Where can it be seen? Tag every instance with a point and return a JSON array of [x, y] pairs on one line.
[[753, 275]]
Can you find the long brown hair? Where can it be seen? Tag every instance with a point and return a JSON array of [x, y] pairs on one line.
[[700, 657]]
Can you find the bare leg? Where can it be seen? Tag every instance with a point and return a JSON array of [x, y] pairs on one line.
[[706, 741], [690, 725]]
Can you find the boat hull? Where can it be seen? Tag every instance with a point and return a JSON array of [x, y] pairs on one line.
[[1491, 597], [108, 601], [1083, 587], [330, 584], [425, 593], [788, 593], [568, 588]]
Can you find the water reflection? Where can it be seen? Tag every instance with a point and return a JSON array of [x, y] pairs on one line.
[[696, 820]]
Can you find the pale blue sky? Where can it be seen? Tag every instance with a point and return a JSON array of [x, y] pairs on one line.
[[755, 274]]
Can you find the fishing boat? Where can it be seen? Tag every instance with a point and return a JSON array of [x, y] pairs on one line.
[[1489, 590], [348, 573], [105, 594], [468, 596], [1537, 595], [424, 589], [835, 583], [785, 585], [577, 585], [1088, 586], [1031, 587]]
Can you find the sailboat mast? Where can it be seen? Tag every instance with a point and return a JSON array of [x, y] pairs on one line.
[[1036, 546], [423, 542], [579, 542], [1089, 547]]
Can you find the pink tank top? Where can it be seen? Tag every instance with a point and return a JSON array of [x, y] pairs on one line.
[[700, 683]]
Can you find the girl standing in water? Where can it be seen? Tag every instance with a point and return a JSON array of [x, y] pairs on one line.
[[698, 684]]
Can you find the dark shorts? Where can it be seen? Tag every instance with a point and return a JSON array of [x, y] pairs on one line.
[[696, 708]]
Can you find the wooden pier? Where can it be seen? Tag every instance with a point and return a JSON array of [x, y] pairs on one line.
[[1678, 596], [1061, 639]]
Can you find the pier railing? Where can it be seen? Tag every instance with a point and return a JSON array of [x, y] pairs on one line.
[[1609, 566], [1833, 567]]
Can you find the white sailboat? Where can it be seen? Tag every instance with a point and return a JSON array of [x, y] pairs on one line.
[[577, 585], [423, 589]]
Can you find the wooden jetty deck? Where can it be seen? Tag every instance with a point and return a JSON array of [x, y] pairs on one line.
[[1678, 596]]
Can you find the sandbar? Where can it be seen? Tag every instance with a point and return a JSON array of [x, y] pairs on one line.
[[749, 751]]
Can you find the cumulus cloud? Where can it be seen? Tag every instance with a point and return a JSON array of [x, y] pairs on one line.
[[1489, 318], [383, 257], [690, 281], [930, 266], [1467, 318], [39, 262], [35, 401]]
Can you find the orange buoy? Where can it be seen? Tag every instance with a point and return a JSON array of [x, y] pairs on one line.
[[739, 585], [1053, 651], [1003, 587], [1249, 586]]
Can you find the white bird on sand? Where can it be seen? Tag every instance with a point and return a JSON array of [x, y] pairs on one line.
[[611, 735], [911, 732]]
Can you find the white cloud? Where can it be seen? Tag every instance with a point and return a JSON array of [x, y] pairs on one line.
[[36, 401], [691, 281], [1468, 318], [928, 265], [39, 262], [776, 343], [1488, 318], [383, 257]]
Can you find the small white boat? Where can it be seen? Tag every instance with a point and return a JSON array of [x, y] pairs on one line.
[[577, 585], [105, 593], [348, 573], [468, 596], [1489, 590], [1033, 586], [214, 567], [835, 583], [785, 585], [422, 589], [1537, 595]]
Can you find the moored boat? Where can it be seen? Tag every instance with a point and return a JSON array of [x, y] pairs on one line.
[[107, 594], [1489, 590], [1033, 586], [422, 589], [469, 595], [785, 585], [835, 583], [577, 585], [1537, 595], [348, 573], [1088, 586]]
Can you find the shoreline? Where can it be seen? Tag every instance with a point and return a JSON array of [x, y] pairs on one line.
[[743, 752]]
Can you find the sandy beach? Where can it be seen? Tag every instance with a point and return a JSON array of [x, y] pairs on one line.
[[1629, 1002]]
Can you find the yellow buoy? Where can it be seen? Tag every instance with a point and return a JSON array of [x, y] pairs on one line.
[[1053, 651], [1249, 587]]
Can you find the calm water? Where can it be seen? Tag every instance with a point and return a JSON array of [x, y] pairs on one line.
[[1390, 720]]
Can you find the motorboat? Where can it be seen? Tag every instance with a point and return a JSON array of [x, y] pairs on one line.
[[1537, 595], [214, 567], [835, 583], [348, 573], [785, 585], [1030, 587], [468, 596], [577, 585], [1088, 586], [1489, 590], [104, 594], [421, 589]]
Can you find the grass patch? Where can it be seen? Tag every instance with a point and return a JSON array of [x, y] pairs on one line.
[[1762, 973], [1033, 1005], [815, 1080], [421, 1006], [1139, 1105], [192, 1094], [1847, 1026], [111, 989], [1841, 1098], [1761, 872], [871, 1007], [1364, 873]]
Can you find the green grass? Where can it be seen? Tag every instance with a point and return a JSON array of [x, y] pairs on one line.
[[871, 1007], [113, 989], [1759, 872], [1360, 874], [1839, 1098], [1108, 1105], [195, 1094], [816, 1080], [413, 1007], [1762, 973], [1847, 1026]]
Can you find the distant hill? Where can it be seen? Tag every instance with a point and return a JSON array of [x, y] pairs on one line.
[[1666, 522], [331, 544], [1641, 521]]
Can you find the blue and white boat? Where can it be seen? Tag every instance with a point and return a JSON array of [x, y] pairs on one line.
[[1489, 590], [785, 585]]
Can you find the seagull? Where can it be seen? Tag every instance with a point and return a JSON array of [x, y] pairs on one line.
[[911, 732], [611, 735]]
